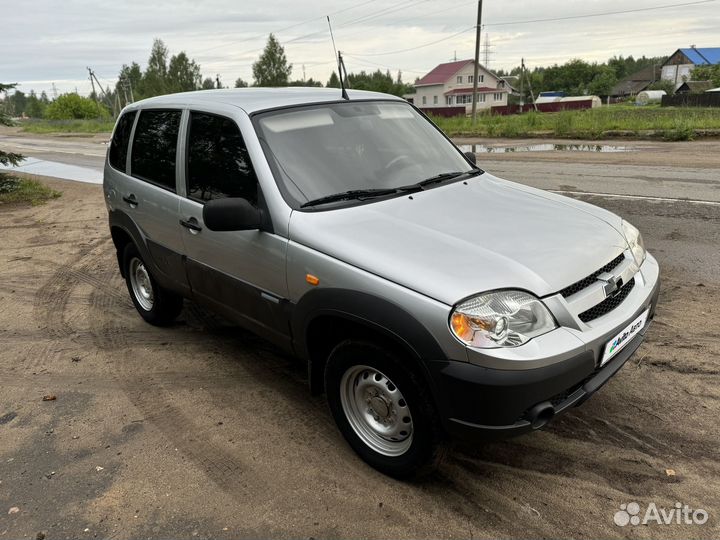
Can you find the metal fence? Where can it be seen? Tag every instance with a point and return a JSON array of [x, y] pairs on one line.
[[708, 99]]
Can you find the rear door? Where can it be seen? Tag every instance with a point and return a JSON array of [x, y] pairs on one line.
[[241, 273], [149, 193]]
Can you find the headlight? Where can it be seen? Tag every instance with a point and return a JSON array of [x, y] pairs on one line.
[[500, 319], [635, 241]]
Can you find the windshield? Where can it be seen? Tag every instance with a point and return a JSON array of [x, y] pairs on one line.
[[338, 147]]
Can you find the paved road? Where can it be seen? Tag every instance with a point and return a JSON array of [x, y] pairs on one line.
[[645, 170], [78, 151]]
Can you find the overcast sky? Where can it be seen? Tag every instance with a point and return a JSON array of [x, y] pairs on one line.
[[46, 41]]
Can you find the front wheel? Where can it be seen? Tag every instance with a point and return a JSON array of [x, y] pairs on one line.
[[383, 409], [155, 304]]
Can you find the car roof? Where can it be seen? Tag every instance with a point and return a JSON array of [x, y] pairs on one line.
[[252, 100]]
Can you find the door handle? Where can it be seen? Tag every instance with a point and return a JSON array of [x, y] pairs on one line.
[[131, 200], [192, 225]]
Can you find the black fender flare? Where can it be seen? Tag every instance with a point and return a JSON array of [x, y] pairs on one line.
[[377, 314], [122, 221]]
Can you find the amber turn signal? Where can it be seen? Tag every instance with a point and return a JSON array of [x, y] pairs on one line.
[[312, 280]]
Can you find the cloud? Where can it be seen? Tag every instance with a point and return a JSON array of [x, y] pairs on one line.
[[46, 40]]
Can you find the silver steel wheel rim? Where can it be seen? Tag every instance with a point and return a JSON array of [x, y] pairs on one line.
[[376, 410], [141, 284]]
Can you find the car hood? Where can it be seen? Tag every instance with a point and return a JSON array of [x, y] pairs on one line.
[[460, 239]]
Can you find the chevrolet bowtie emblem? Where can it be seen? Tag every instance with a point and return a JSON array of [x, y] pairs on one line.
[[613, 284]]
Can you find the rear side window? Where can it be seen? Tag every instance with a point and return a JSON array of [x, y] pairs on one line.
[[218, 161], [155, 146], [120, 141]]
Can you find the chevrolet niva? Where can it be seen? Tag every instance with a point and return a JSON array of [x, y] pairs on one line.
[[430, 299]]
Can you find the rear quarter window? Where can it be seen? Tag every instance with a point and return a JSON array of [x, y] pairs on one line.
[[121, 139], [154, 147]]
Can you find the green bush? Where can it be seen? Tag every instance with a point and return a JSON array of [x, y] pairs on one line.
[[682, 131], [73, 106], [671, 123], [95, 125], [14, 190]]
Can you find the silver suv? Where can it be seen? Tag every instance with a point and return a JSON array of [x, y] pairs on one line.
[[429, 299]]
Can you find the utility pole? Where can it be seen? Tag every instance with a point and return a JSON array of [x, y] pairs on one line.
[[92, 82], [477, 61], [129, 84], [54, 91], [124, 89], [486, 51], [522, 81]]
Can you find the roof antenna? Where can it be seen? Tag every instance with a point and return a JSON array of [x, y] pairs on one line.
[[342, 72]]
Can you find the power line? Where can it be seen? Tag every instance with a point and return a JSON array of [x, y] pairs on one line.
[[359, 20], [382, 12], [537, 21], [365, 62], [602, 14], [419, 46], [295, 25]]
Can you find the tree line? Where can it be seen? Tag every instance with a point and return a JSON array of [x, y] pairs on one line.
[[167, 74], [578, 78]]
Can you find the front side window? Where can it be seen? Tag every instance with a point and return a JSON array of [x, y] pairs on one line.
[[327, 149], [119, 143], [218, 164], [155, 146]]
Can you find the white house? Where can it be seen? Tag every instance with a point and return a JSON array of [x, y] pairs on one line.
[[678, 67], [451, 85]]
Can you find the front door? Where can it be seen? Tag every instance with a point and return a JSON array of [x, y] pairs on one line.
[[241, 273]]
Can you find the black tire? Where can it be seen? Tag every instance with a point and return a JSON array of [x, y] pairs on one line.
[[165, 305], [427, 448]]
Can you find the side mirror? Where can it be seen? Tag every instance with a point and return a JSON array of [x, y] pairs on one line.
[[472, 157], [231, 214]]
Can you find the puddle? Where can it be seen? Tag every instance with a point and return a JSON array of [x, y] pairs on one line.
[[58, 170], [544, 147]]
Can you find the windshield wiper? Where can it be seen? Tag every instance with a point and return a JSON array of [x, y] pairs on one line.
[[350, 195], [379, 192], [438, 178]]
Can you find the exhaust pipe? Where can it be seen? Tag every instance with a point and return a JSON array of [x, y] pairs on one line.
[[541, 414]]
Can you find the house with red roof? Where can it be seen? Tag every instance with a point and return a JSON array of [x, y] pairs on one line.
[[450, 85]]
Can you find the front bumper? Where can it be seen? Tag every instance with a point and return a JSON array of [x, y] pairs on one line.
[[480, 402]]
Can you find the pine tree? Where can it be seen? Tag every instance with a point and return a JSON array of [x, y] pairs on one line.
[[154, 81], [7, 158], [272, 69]]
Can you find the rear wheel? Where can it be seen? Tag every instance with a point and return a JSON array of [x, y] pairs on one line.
[[383, 409], [155, 304]]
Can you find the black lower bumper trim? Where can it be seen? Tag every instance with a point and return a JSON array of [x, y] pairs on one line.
[[469, 431]]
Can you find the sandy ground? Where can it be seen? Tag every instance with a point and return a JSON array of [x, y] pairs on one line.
[[202, 430]]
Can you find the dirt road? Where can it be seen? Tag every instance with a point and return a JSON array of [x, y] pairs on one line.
[[202, 430]]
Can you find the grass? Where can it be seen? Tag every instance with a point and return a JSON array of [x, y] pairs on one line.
[[68, 126], [669, 123], [16, 190]]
